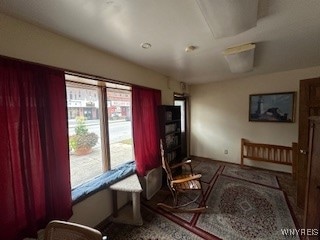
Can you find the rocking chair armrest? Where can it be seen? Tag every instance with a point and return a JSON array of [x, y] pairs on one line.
[[181, 180], [181, 164]]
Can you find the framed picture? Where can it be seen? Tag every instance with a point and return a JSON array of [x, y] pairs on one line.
[[272, 107]]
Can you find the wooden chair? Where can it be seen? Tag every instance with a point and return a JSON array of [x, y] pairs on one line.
[[61, 230], [182, 183]]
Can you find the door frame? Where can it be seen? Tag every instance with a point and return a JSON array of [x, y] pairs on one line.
[[185, 97]]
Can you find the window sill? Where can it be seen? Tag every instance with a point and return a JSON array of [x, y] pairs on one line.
[[102, 181]]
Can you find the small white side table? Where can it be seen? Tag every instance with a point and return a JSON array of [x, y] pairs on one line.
[[132, 216]]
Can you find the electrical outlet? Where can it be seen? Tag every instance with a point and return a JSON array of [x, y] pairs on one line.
[[226, 151]]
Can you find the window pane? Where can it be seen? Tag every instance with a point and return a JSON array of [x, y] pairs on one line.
[[120, 126], [84, 133]]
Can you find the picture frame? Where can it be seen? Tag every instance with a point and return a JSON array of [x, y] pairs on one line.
[[272, 107]]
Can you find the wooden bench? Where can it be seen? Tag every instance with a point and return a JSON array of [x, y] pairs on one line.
[[270, 153]]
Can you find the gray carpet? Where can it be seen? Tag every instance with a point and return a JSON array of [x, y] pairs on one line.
[[154, 227], [251, 175], [207, 169]]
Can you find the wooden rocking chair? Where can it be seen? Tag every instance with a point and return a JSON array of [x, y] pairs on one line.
[[182, 183]]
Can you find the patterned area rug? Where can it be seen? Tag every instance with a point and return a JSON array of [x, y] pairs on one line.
[[243, 210], [183, 198], [238, 209], [251, 175], [154, 227], [207, 169]]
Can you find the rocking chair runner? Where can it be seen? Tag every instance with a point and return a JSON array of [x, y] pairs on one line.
[[182, 183]]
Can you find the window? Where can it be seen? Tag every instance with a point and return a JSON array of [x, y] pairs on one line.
[[120, 126], [95, 146]]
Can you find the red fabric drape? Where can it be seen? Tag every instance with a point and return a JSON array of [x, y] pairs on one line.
[[145, 104], [34, 160]]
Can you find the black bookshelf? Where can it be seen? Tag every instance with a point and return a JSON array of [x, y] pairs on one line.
[[170, 133]]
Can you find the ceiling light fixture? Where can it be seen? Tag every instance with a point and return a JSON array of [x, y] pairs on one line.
[[190, 48], [229, 17], [240, 58], [145, 45]]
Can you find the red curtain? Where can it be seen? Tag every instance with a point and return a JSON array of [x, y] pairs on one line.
[[145, 104], [34, 163]]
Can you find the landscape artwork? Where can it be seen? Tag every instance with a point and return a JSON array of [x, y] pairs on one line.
[[272, 107]]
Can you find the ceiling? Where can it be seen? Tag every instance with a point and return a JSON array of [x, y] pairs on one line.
[[287, 34]]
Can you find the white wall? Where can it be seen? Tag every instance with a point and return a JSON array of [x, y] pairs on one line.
[[27, 42], [219, 115]]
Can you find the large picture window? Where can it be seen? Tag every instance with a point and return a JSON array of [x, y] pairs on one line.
[[96, 147], [120, 125]]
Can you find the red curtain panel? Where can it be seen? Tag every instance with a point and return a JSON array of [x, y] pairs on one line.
[[145, 104], [34, 160]]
